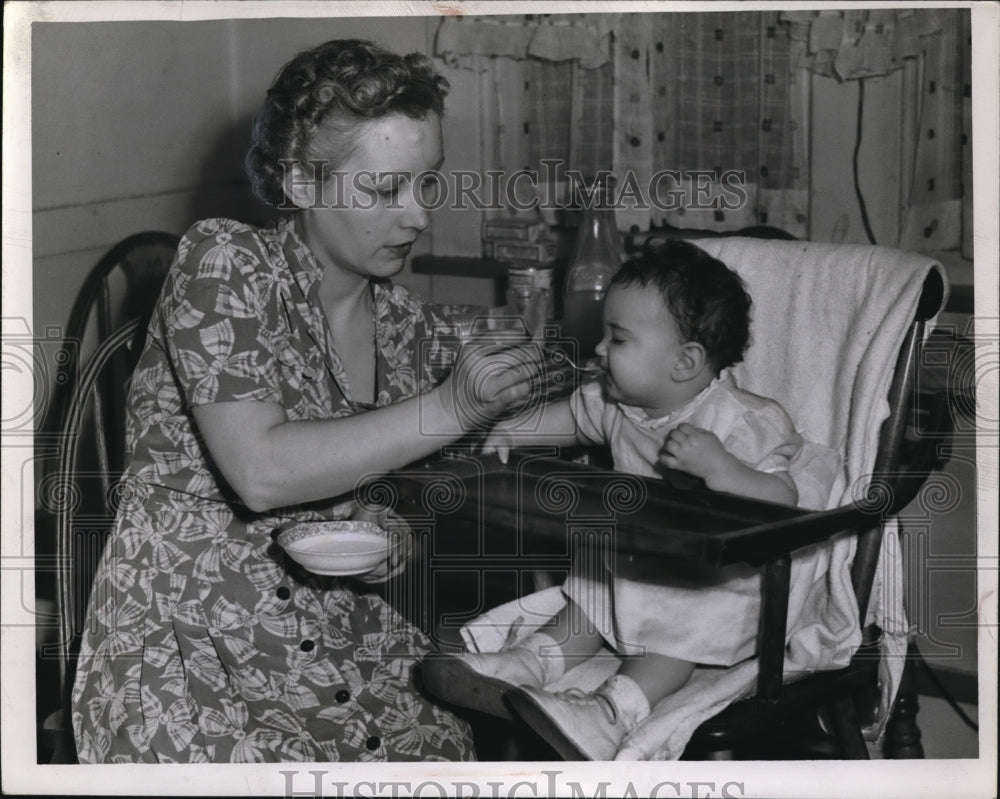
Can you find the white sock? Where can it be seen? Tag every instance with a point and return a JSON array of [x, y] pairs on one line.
[[627, 697], [546, 650]]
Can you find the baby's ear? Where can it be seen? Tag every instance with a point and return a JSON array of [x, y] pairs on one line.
[[691, 361]]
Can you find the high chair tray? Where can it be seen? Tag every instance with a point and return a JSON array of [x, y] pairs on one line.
[[547, 499]]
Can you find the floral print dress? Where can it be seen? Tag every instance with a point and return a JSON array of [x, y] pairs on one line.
[[203, 643]]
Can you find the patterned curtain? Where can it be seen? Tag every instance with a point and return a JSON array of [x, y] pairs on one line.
[[703, 117], [545, 93], [722, 107], [932, 47], [938, 104], [698, 115]]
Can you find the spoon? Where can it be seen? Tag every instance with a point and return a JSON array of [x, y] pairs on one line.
[[586, 369]]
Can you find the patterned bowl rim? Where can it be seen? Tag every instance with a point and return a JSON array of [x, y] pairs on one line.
[[304, 530]]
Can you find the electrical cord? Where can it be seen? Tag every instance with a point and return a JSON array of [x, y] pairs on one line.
[[945, 693], [857, 181]]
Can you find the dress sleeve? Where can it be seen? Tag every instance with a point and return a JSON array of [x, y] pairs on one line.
[[765, 439], [444, 344], [218, 312]]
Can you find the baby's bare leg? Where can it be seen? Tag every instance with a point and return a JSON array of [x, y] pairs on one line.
[[574, 634], [657, 676]]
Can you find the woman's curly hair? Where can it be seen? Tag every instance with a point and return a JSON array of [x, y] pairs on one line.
[[707, 300], [334, 87]]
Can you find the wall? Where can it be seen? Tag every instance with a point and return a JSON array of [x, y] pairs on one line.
[[154, 133], [144, 125]]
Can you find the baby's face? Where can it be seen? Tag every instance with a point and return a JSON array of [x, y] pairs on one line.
[[639, 349]]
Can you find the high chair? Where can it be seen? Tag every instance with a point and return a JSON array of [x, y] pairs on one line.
[[836, 339]]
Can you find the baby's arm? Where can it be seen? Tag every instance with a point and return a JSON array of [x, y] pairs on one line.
[[555, 426], [699, 452]]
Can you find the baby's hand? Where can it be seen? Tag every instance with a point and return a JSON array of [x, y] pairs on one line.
[[498, 441], [695, 451]]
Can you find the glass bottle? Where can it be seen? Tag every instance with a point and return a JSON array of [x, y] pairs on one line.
[[529, 295], [596, 257]]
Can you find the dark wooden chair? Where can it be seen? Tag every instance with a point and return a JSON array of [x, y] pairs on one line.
[[123, 284], [85, 491], [84, 428], [718, 530]]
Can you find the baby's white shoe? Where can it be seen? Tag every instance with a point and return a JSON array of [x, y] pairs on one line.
[[583, 726], [479, 680]]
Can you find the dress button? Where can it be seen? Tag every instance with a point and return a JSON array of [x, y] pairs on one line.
[[307, 646], [342, 696], [283, 592], [372, 743]]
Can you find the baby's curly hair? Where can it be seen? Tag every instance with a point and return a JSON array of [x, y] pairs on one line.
[[707, 300], [335, 87]]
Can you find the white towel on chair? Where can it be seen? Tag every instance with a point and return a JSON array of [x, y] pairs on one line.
[[828, 324]]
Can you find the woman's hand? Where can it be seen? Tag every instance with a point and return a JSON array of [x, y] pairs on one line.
[[401, 544], [490, 380], [395, 561]]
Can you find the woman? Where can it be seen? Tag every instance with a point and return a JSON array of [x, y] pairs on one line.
[[282, 368]]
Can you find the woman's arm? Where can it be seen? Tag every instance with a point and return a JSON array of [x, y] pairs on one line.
[[271, 462]]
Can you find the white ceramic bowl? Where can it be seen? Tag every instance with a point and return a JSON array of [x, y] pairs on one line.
[[336, 547]]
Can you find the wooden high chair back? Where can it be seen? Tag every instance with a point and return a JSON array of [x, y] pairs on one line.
[[904, 461]]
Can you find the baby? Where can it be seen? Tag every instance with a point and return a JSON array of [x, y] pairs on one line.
[[674, 321]]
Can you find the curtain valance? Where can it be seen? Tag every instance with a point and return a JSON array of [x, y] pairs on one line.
[[584, 38], [861, 43]]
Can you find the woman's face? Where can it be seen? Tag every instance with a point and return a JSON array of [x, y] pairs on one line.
[[369, 213]]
